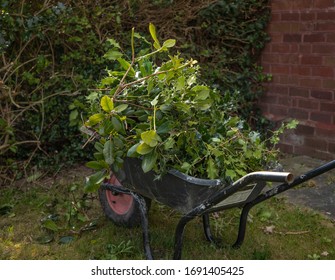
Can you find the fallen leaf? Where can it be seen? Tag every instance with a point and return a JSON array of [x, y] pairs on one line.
[[269, 229], [324, 254]]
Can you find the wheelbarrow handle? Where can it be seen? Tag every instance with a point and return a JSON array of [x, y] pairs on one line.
[[267, 176]]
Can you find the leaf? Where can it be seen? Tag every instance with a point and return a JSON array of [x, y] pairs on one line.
[[152, 30], [169, 43], [107, 104], [114, 43], [180, 83], [125, 65], [66, 239], [230, 173], [108, 81], [108, 152], [121, 108], [49, 224], [202, 92], [95, 119], [98, 165], [149, 161], [150, 138], [132, 150], [113, 54], [269, 229], [45, 239], [143, 148], [211, 169], [116, 124], [93, 182]]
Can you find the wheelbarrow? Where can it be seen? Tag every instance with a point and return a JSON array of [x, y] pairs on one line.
[[127, 195]]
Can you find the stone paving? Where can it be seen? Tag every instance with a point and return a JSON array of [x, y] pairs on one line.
[[317, 193]]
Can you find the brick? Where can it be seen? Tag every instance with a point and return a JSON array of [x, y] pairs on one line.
[[276, 38], [307, 16], [320, 4], [275, 17], [301, 70], [281, 5], [302, 4], [319, 94], [280, 69], [310, 82], [327, 107], [328, 84], [289, 80], [304, 130], [278, 89], [294, 47], [330, 37], [331, 147], [280, 48], [308, 104], [316, 143], [326, 15], [285, 101], [325, 26], [324, 49], [270, 58], [321, 117], [281, 27], [298, 113], [291, 16], [311, 60], [326, 132], [301, 92], [305, 48], [288, 58], [289, 38], [308, 26], [278, 110], [285, 148], [329, 61], [323, 71], [314, 38]]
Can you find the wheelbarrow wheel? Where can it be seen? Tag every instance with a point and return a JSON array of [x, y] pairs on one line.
[[122, 209]]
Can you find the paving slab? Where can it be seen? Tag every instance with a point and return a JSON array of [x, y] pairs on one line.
[[317, 193]]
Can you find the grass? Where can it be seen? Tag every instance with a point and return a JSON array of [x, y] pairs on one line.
[[54, 219]]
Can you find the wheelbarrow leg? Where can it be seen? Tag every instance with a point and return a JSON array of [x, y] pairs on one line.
[[145, 225], [207, 230], [242, 226]]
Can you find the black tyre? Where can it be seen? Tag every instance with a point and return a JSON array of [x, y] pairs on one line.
[[121, 208]]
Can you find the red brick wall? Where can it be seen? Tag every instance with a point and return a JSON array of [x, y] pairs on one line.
[[301, 59]]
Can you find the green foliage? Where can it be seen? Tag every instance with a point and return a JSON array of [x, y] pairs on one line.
[[52, 53], [166, 116]]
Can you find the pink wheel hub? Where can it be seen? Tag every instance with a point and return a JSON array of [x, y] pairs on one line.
[[119, 202]]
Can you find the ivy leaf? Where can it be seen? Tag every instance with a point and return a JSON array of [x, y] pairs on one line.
[[149, 161], [231, 173], [211, 169], [107, 104], [113, 54], [152, 30], [98, 165], [114, 43], [108, 152]]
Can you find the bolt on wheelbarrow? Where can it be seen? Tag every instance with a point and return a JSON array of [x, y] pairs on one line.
[[126, 197]]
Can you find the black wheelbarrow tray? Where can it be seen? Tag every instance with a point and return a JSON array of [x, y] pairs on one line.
[[126, 197]]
